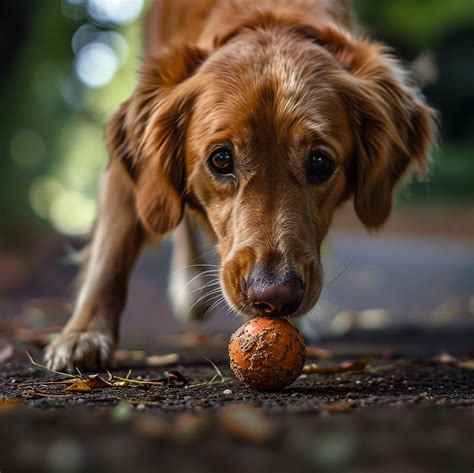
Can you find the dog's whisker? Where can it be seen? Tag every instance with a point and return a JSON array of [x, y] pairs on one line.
[[207, 274], [213, 306], [210, 284], [232, 308], [190, 266], [342, 272], [205, 253], [202, 298]]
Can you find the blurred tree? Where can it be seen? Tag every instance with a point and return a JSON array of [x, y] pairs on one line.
[[51, 125], [36, 54], [415, 24]]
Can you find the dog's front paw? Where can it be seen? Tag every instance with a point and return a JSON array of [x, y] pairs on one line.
[[88, 350]]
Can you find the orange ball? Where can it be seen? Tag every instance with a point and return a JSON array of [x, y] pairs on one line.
[[267, 354]]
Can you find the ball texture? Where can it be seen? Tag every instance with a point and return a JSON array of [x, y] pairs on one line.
[[267, 354]]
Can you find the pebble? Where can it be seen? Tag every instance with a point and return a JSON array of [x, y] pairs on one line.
[[227, 392]]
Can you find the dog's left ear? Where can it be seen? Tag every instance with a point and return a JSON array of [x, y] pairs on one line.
[[394, 128], [147, 134]]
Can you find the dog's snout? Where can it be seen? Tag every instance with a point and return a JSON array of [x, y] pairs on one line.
[[275, 296]]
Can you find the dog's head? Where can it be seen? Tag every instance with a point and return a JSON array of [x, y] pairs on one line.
[[265, 136]]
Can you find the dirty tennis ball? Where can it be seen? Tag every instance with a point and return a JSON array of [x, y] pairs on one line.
[[267, 354]]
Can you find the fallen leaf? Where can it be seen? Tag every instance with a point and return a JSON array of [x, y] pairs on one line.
[[80, 386], [247, 423], [466, 365], [121, 384], [356, 365], [188, 427], [6, 353], [94, 381], [339, 406], [162, 360], [346, 366], [9, 404], [175, 378], [320, 353], [445, 358], [153, 427], [383, 368], [134, 355]]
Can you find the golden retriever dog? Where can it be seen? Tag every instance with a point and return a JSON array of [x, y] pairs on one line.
[[258, 119]]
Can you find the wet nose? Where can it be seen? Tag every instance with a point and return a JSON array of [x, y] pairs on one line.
[[272, 296]]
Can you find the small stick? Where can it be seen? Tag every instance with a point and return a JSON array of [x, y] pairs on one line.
[[136, 381], [49, 370]]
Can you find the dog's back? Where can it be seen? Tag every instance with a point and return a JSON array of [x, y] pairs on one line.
[[196, 21]]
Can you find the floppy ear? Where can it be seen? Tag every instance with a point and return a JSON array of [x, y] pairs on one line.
[[147, 135], [394, 128]]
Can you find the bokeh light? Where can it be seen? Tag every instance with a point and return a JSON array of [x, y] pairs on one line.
[[119, 12], [96, 64]]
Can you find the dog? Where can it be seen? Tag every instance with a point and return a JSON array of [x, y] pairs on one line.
[[257, 119]]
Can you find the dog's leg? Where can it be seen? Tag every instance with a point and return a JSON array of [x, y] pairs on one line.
[[193, 286], [89, 338]]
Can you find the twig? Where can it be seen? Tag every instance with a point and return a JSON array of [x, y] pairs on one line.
[[49, 370], [136, 381], [38, 383]]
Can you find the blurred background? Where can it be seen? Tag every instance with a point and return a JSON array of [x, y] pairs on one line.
[[67, 64]]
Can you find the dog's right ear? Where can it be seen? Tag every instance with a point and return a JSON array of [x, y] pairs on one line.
[[147, 131]]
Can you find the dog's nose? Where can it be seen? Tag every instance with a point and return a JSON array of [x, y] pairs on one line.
[[275, 296]]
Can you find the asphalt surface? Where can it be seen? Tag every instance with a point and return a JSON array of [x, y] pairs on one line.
[[409, 409]]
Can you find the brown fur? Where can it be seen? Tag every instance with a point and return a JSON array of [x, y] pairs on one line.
[[272, 80]]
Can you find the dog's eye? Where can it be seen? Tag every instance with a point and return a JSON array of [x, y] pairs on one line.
[[221, 162], [320, 167]]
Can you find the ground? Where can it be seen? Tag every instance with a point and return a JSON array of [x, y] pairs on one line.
[[409, 409], [393, 392]]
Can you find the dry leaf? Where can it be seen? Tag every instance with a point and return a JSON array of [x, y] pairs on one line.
[[466, 365], [175, 378], [357, 365], [94, 381], [9, 404], [247, 423], [80, 386], [339, 406], [153, 427], [125, 355], [6, 353], [188, 427], [320, 353], [121, 384], [162, 360], [445, 358]]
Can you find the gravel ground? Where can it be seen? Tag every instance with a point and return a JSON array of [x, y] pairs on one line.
[[408, 410]]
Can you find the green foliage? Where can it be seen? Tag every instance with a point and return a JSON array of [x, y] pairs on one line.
[[52, 148], [449, 180], [416, 24]]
